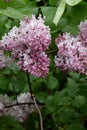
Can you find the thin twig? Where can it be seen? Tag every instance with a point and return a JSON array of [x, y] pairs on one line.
[[41, 121], [19, 104], [35, 103]]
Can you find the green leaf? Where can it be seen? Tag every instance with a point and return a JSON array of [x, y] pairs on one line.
[[41, 96], [53, 2], [79, 101], [17, 4], [49, 12], [18, 127], [75, 126], [74, 12], [7, 120], [62, 23], [17, 83], [52, 82], [2, 4], [24, 6], [15, 68], [3, 21], [65, 114], [4, 82], [83, 89], [5, 71], [71, 83], [59, 12], [9, 123], [49, 104], [72, 88], [83, 110], [72, 2], [71, 28], [75, 76], [63, 101], [8, 24], [13, 13]]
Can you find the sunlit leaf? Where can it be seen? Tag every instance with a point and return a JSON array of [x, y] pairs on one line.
[[72, 2], [59, 12]]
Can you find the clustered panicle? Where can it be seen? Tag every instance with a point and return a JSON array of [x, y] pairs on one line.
[[19, 112], [28, 44], [72, 51]]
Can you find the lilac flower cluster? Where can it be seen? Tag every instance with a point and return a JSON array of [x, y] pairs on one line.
[[28, 44], [18, 109], [72, 51]]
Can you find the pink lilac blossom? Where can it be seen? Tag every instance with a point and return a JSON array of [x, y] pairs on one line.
[[28, 44], [72, 54], [36, 62]]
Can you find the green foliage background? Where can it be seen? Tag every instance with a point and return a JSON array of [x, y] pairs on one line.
[[62, 95]]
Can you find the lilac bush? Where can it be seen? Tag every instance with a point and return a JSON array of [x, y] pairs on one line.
[[37, 86]]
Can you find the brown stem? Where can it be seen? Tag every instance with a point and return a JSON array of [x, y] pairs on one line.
[[19, 104]]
